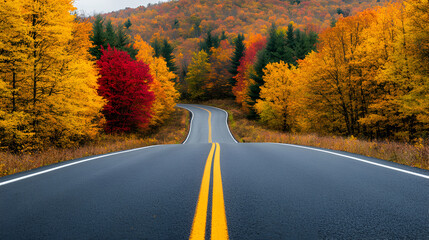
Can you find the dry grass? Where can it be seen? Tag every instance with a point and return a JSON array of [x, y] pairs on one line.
[[244, 130], [173, 132]]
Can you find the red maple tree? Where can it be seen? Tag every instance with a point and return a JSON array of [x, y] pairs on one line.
[[241, 87], [124, 83]]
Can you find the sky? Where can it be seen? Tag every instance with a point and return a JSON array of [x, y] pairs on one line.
[[104, 6]]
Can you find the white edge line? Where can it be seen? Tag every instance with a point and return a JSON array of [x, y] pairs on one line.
[[227, 126], [357, 159], [190, 124], [70, 164], [226, 122]]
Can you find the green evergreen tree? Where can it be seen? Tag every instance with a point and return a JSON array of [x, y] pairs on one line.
[[157, 47], [128, 24], [209, 42], [304, 43], [167, 53], [98, 37], [287, 47], [269, 54], [289, 53], [122, 39], [290, 36], [110, 35], [237, 55], [223, 36], [262, 60], [123, 42], [176, 24]]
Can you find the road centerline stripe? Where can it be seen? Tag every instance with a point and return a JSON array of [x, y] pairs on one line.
[[199, 224], [210, 123], [219, 228]]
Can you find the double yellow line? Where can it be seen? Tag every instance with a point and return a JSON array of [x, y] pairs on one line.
[[219, 228]]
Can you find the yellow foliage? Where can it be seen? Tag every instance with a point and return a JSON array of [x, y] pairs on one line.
[[50, 80], [198, 72], [145, 51], [165, 93], [162, 86], [278, 99], [369, 76]]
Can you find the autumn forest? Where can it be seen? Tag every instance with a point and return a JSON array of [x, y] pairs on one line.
[[331, 67]]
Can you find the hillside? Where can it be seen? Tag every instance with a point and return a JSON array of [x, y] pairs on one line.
[[186, 22], [184, 19]]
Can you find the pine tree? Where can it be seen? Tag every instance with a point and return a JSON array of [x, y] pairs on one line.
[[98, 37], [110, 35], [123, 42], [128, 24], [176, 24], [289, 54], [241, 88], [167, 54], [157, 46], [223, 36], [122, 39], [280, 47], [304, 43], [209, 42], [265, 56], [290, 36], [237, 55], [262, 60]]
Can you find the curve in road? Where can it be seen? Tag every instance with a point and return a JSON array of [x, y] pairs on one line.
[[213, 187]]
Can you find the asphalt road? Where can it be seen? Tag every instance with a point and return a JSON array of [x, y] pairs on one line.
[[201, 189]]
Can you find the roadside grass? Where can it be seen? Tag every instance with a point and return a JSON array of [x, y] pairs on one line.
[[244, 130], [173, 132]]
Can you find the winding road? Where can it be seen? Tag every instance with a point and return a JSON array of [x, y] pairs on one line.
[[213, 187]]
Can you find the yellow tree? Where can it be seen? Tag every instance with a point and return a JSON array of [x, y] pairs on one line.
[[217, 84], [417, 100], [275, 107], [394, 46], [162, 86], [14, 47], [369, 76], [198, 72], [74, 98], [53, 80], [338, 86]]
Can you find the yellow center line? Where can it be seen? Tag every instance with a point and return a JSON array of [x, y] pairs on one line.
[[199, 225], [210, 123], [219, 229], [219, 226]]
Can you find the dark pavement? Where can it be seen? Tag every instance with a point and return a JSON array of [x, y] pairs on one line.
[[271, 191]]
